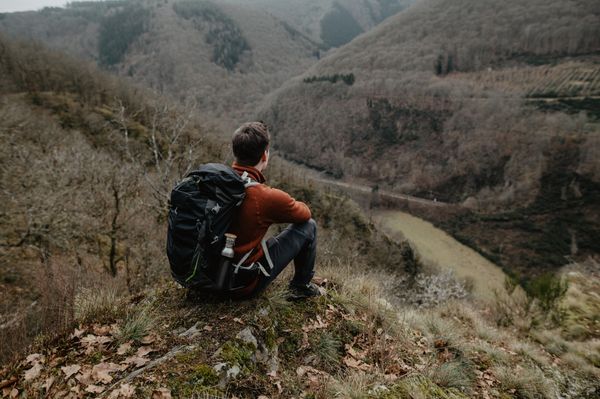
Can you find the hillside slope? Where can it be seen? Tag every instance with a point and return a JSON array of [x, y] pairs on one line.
[[222, 56], [491, 105]]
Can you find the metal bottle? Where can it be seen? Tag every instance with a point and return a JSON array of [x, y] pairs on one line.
[[225, 262]]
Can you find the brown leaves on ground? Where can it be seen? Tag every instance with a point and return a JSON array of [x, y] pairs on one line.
[[70, 370], [36, 362], [124, 391], [314, 378], [101, 372], [49, 373], [161, 393]]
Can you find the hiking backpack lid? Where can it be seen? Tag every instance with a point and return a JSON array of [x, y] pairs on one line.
[[202, 206]]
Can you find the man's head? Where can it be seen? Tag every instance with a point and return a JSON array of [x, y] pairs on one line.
[[250, 144]]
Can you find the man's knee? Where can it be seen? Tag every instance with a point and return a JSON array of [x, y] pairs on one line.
[[309, 228]]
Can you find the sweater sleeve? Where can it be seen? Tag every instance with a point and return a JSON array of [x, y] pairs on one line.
[[282, 208]]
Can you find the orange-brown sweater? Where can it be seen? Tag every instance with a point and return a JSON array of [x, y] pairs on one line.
[[262, 207]]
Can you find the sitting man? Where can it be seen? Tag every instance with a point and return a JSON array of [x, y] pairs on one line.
[[262, 207]]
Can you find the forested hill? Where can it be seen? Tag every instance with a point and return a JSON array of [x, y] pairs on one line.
[[223, 56], [489, 104]]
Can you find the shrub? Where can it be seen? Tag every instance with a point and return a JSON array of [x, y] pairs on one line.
[[348, 79], [548, 289]]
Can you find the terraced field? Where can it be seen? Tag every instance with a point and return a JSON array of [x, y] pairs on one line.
[[568, 79]]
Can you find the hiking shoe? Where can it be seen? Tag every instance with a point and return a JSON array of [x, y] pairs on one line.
[[309, 290]]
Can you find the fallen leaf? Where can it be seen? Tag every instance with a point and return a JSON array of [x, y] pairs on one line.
[[263, 397], [33, 372], [85, 376], [127, 390], [48, 383], [238, 320], [272, 374], [279, 387], [78, 333], [440, 343], [90, 341], [124, 348], [148, 339], [207, 328], [136, 360], [70, 370], [94, 389], [14, 393], [305, 341], [319, 280], [356, 364], [315, 325], [34, 359], [101, 372], [352, 352], [144, 350], [101, 330], [161, 393], [6, 383]]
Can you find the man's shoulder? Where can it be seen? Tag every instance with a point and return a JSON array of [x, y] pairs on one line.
[[265, 191]]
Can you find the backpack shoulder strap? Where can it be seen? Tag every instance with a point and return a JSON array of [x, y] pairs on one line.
[[248, 181]]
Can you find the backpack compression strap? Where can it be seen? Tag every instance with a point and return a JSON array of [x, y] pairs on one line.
[[262, 269]]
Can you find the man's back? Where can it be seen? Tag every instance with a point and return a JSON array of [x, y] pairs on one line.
[[262, 207]]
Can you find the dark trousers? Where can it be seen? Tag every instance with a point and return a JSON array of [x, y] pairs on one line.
[[298, 242]]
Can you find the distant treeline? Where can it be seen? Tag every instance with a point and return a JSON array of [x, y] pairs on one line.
[[349, 79]]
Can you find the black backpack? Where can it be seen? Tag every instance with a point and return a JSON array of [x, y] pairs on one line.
[[202, 207]]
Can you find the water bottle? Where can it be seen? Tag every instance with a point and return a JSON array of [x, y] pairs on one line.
[[225, 262]]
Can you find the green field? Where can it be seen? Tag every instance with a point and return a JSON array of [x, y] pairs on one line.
[[437, 248]]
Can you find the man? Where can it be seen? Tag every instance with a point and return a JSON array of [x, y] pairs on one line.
[[262, 207]]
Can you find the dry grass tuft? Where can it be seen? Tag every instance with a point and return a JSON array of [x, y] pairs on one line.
[[525, 382], [455, 374], [99, 305], [137, 324], [355, 385]]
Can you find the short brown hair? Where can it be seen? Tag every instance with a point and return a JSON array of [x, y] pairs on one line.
[[249, 142]]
